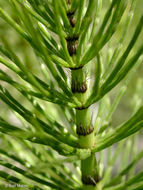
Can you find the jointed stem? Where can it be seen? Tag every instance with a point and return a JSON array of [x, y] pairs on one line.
[[89, 173], [84, 128]]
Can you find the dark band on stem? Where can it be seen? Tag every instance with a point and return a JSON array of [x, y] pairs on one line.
[[72, 47], [82, 107], [72, 44], [89, 180], [83, 131], [69, 13], [71, 18], [77, 87], [71, 39], [76, 68]]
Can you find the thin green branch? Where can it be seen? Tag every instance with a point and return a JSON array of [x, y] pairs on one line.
[[96, 19], [123, 58], [41, 53], [122, 39], [123, 72], [92, 49], [29, 77], [8, 177], [116, 102], [125, 171], [96, 85], [134, 124], [133, 181], [79, 17], [58, 146], [39, 125], [40, 15], [84, 28], [34, 102], [13, 24], [61, 32], [28, 175], [11, 156]]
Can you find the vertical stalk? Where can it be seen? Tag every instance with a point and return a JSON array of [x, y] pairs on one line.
[[89, 173], [84, 126]]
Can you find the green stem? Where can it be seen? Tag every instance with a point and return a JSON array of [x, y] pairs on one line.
[[89, 173], [84, 128]]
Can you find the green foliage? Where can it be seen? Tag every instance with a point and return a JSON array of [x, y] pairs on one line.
[[78, 60]]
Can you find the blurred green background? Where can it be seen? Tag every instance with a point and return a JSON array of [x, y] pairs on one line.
[[131, 99], [22, 48]]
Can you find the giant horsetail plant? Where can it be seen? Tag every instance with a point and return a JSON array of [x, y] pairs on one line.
[[62, 101]]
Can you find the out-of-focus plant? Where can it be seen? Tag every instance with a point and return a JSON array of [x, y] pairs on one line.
[[54, 143]]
